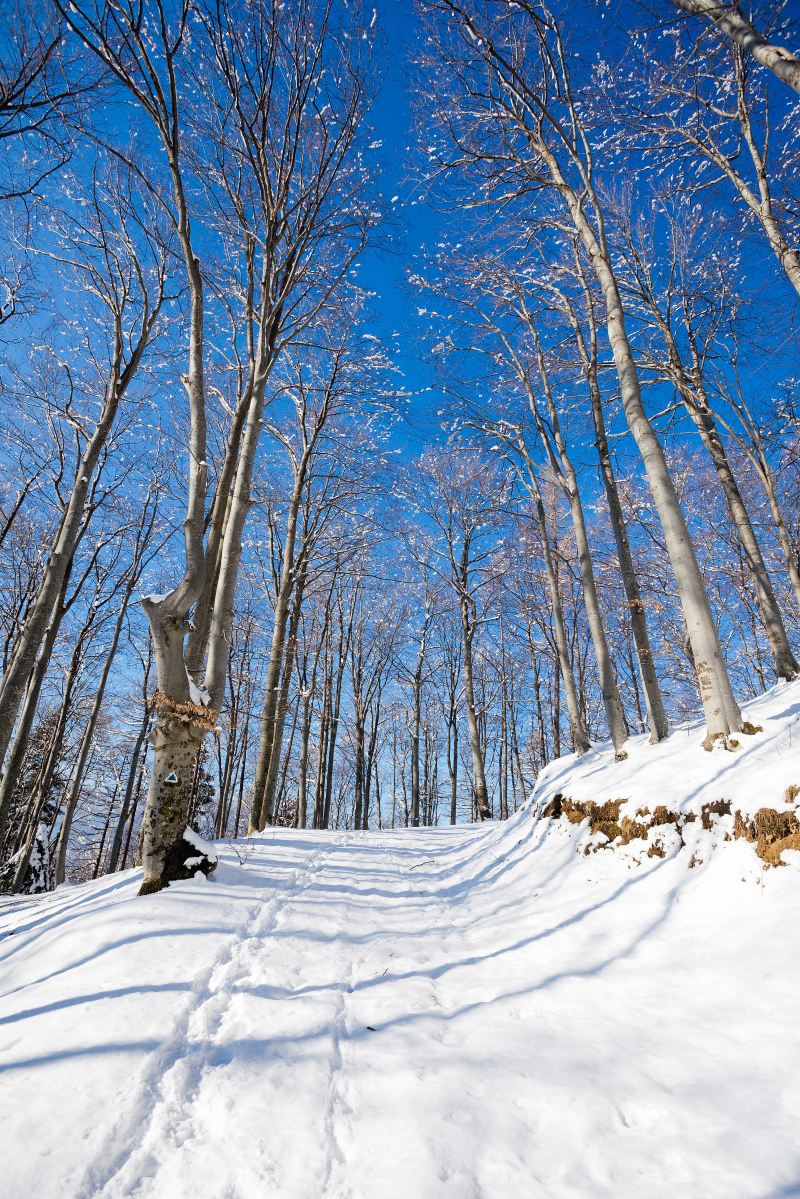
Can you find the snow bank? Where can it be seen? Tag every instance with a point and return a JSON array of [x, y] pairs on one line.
[[683, 776]]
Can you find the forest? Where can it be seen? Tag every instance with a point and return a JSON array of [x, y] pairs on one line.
[[393, 399]]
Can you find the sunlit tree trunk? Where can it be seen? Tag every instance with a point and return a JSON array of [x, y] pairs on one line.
[[550, 149], [482, 807], [732, 23], [580, 738], [134, 770]]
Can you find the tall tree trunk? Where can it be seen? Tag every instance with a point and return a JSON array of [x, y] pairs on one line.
[[276, 746], [106, 826], [336, 707], [554, 444], [302, 770], [46, 609], [242, 776], [370, 768], [452, 766], [615, 714], [789, 554], [580, 739], [322, 750], [177, 737], [16, 755], [227, 772], [38, 798], [358, 777], [588, 351], [690, 385], [378, 812], [656, 714], [416, 721], [732, 23], [260, 813], [416, 718], [181, 724], [782, 656], [134, 770], [481, 791], [722, 713], [79, 769]]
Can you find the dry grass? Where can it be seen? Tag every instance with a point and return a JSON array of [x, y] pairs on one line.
[[771, 832], [720, 807]]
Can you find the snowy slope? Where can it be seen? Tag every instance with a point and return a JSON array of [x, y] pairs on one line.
[[683, 775], [478, 1013]]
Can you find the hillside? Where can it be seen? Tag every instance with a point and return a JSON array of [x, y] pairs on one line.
[[472, 1012]]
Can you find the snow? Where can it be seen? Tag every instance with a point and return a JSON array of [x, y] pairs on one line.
[[198, 693], [475, 1012], [755, 775], [204, 848]]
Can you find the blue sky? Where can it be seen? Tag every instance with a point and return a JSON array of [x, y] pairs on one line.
[[414, 223], [593, 30]]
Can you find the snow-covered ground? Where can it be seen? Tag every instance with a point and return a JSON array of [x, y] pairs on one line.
[[479, 1012], [684, 776]]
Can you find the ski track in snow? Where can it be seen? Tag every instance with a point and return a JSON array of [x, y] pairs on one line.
[[337, 1110], [472, 1013], [172, 1082]]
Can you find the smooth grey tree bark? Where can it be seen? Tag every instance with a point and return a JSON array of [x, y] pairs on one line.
[[554, 444], [468, 625], [686, 370], [271, 782], [126, 356], [587, 350], [261, 812], [733, 24], [551, 148], [143, 534], [416, 708], [580, 738]]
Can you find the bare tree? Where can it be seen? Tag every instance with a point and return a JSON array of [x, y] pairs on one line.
[[466, 500], [129, 580], [323, 386], [118, 255], [281, 156], [732, 23], [519, 346], [523, 125], [694, 308], [707, 108]]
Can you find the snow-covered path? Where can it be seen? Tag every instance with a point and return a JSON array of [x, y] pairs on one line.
[[472, 1012]]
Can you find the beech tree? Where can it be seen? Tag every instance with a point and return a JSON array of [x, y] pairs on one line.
[[280, 157], [731, 22], [517, 344], [522, 125], [706, 116], [117, 253], [692, 309], [466, 500], [329, 384]]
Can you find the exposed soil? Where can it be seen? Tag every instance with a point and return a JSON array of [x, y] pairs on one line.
[[770, 831]]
